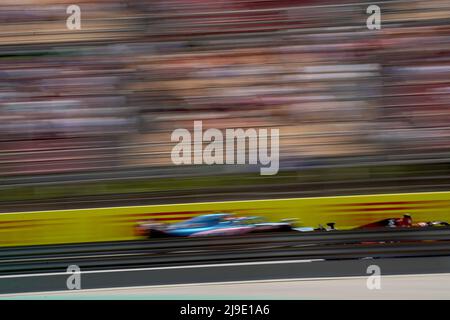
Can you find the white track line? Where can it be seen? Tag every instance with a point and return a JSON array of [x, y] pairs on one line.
[[236, 201], [76, 257], [236, 264], [214, 283]]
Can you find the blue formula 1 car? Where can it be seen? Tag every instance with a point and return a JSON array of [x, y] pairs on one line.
[[218, 224]]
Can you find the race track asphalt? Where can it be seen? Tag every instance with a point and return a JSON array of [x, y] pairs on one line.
[[294, 279], [410, 287]]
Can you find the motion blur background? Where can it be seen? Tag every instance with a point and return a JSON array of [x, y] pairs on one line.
[[89, 114]]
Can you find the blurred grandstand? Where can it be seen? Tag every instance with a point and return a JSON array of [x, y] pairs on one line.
[[90, 112]]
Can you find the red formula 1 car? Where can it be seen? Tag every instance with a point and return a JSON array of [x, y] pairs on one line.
[[404, 222]]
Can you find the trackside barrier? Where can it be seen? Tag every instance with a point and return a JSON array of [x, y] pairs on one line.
[[402, 242], [117, 223]]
